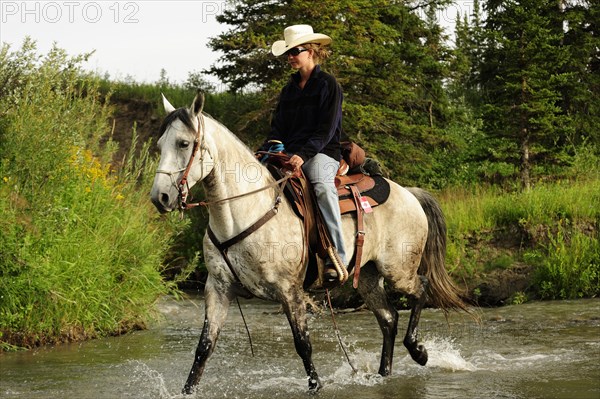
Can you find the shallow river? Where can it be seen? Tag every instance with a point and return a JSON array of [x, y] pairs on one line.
[[536, 350]]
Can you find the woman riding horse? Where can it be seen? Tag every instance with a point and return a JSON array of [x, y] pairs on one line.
[[254, 245], [308, 121]]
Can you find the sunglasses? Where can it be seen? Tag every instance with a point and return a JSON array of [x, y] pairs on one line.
[[295, 51]]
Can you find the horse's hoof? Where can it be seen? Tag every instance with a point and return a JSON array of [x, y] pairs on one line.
[[385, 371], [419, 355], [314, 384], [187, 390]]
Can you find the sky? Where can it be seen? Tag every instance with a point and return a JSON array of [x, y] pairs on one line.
[[132, 39]]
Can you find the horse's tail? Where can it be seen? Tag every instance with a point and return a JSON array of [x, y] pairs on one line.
[[443, 293]]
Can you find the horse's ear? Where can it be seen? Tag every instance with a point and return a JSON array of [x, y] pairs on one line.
[[198, 103], [168, 107]]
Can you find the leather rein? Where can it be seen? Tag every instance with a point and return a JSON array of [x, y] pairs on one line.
[[183, 186], [183, 190]]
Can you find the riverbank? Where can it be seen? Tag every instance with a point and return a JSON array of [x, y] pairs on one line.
[[509, 286], [81, 248]]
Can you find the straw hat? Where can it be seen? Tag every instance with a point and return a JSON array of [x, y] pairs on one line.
[[296, 35]]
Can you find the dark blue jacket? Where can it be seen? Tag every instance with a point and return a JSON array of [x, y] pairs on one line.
[[309, 120]]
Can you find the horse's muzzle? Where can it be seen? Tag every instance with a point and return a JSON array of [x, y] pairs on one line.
[[162, 202]]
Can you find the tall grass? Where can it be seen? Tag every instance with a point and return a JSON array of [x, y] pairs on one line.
[[568, 264], [80, 251], [484, 207], [553, 228]]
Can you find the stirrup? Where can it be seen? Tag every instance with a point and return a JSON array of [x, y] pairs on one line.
[[338, 265]]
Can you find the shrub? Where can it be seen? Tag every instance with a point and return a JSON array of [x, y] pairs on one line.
[[553, 227], [80, 252], [569, 265]]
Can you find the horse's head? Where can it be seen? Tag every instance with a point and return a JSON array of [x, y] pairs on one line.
[[185, 158]]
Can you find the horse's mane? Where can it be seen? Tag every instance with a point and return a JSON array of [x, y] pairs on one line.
[[182, 114]]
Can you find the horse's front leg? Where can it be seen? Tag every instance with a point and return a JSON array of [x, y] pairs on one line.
[[294, 307], [217, 299]]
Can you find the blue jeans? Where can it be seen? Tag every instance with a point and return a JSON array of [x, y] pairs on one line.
[[320, 171]]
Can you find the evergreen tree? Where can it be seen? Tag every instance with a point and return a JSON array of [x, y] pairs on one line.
[[521, 75], [463, 158], [390, 62], [466, 60], [580, 21]]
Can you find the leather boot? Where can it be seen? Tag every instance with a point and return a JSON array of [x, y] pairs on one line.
[[330, 274]]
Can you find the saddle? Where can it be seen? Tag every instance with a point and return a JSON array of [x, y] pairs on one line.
[[358, 192]]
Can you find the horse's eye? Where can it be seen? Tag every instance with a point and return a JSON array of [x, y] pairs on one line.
[[184, 144]]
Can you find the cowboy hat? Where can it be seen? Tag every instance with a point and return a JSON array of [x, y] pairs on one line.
[[295, 35]]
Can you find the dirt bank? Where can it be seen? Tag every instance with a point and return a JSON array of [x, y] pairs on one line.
[[129, 114]]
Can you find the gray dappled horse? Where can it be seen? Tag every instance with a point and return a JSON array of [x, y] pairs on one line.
[[405, 240]]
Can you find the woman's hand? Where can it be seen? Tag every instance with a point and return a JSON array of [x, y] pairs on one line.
[[296, 162]]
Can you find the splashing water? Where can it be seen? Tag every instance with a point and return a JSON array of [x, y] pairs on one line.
[[537, 350], [443, 354], [143, 374]]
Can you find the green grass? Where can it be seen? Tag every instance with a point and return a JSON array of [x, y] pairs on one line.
[[568, 265], [481, 208], [179, 96], [553, 227], [80, 247]]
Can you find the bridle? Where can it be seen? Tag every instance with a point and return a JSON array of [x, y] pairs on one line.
[[183, 187], [183, 191]]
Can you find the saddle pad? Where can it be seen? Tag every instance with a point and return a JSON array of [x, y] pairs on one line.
[[376, 194], [375, 188]]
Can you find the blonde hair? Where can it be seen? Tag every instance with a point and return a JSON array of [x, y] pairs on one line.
[[320, 53]]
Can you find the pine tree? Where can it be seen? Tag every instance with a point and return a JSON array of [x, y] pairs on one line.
[[522, 71], [580, 21], [466, 60], [390, 63], [462, 159]]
